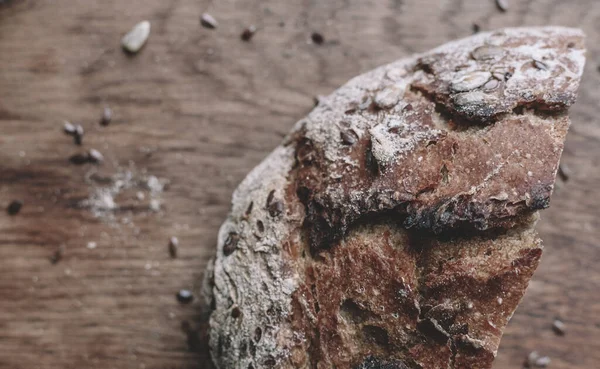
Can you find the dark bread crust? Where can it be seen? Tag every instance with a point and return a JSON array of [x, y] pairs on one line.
[[394, 226]]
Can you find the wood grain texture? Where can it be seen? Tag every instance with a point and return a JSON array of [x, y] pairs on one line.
[[200, 108]]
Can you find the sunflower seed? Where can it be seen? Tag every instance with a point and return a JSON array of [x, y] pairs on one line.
[[136, 38], [540, 65], [230, 243], [208, 21], [491, 85], [349, 137], [487, 52], [470, 81], [275, 208], [388, 97]]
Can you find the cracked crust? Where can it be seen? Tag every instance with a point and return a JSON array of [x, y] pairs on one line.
[[393, 228]]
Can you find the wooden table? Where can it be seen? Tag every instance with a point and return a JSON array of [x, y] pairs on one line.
[[198, 108]]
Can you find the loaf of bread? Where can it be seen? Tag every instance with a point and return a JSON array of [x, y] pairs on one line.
[[394, 226]]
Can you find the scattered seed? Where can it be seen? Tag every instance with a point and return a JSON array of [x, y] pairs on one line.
[[69, 128], [78, 135], [79, 159], [275, 208], [502, 5], [260, 226], [349, 137], [559, 327], [58, 254], [135, 39], [531, 359], [487, 52], [106, 116], [91, 245], [476, 28], [173, 245], [95, 156], [208, 21], [154, 205], [230, 243], [564, 172], [185, 296], [14, 207], [317, 38], [540, 65], [542, 362], [470, 81], [248, 33]]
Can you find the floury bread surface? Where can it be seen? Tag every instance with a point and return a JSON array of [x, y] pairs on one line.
[[393, 227]]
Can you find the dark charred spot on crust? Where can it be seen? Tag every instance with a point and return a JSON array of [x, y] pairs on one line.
[[371, 362], [432, 330], [353, 312], [370, 162], [376, 335], [303, 194]]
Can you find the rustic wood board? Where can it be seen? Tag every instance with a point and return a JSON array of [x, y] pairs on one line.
[[200, 108]]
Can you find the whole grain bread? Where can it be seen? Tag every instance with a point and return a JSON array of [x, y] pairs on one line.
[[393, 227]]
